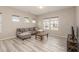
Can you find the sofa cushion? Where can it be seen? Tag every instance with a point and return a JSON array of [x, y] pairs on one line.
[[26, 29], [21, 29], [25, 33], [30, 29]]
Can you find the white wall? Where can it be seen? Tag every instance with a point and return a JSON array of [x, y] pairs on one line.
[[8, 27], [77, 13], [77, 19], [66, 20]]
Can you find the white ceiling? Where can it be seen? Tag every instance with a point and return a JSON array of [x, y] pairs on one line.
[[37, 11]]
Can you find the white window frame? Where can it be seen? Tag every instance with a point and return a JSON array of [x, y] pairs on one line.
[[53, 23], [45, 22]]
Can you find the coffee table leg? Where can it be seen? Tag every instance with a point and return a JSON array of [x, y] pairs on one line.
[[41, 38], [47, 35], [35, 37]]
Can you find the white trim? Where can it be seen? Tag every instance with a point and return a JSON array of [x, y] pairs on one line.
[[8, 38]]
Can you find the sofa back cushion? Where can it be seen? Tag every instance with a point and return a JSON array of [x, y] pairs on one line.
[[21, 30], [32, 29]]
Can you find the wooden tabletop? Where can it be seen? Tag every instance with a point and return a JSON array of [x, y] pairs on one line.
[[41, 34]]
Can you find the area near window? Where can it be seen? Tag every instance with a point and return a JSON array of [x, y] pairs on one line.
[[51, 23], [15, 18], [54, 22], [26, 19]]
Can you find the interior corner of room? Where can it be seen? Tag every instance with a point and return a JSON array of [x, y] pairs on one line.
[[67, 18], [56, 20]]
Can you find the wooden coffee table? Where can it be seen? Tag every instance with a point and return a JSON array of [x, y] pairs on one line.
[[41, 35]]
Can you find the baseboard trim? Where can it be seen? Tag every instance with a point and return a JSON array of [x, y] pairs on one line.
[[8, 38]]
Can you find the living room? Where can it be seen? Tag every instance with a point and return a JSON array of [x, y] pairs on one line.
[[55, 21]]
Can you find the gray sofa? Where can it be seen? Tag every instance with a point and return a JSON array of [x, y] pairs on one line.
[[24, 33]]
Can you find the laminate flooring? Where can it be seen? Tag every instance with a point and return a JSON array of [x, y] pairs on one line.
[[52, 44]]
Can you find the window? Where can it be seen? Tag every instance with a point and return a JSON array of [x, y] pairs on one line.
[[51, 23], [15, 18], [46, 23], [54, 23], [0, 23], [26, 19]]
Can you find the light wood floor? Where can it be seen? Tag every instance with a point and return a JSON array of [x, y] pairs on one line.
[[52, 44]]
